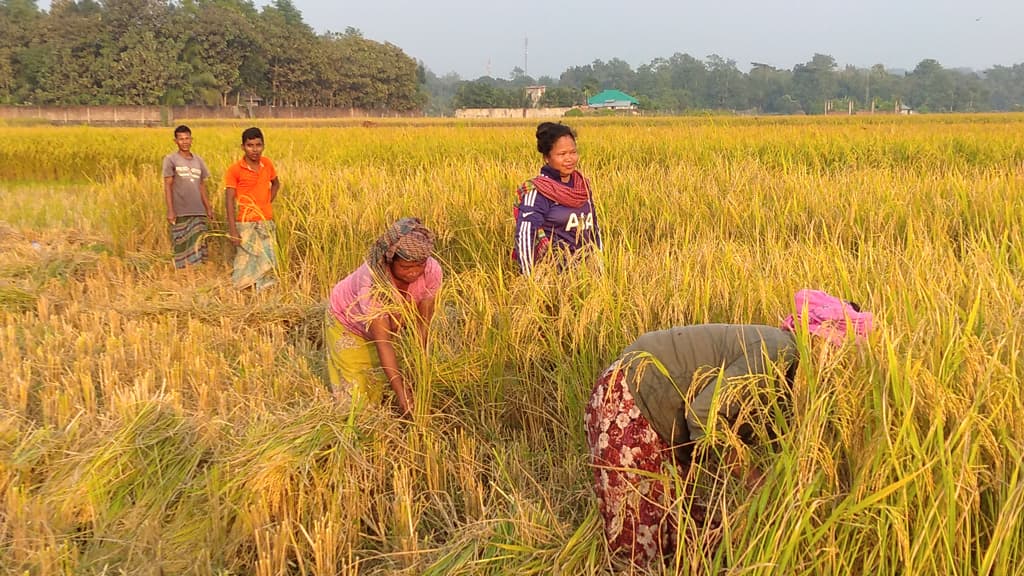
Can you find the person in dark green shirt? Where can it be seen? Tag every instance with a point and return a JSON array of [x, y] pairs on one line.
[[656, 399], [653, 404], [673, 374]]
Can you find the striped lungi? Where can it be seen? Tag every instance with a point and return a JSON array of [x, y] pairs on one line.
[[188, 240], [255, 257]]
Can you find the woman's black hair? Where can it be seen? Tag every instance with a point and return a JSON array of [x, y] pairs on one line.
[[854, 305], [548, 133]]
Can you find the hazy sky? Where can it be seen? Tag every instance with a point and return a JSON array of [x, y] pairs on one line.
[[474, 38]]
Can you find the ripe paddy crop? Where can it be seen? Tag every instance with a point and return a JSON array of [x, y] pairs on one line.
[[160, 422]]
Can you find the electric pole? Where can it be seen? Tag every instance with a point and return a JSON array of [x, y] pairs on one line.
[[526, 56]]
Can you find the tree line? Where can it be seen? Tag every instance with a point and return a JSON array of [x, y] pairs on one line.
[[684, 83], [222, 52], [209, 52]]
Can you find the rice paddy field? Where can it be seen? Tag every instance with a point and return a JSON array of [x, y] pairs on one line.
[[159, 422]]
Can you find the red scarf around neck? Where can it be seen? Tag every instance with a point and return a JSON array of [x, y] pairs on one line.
[[573, 196]]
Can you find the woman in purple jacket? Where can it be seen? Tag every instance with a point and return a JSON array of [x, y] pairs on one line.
[[554, 210]]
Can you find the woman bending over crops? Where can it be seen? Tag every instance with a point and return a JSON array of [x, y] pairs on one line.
[[395, 287], [554, 210], [653, 403]]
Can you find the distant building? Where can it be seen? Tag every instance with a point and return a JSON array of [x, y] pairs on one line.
[[535, 93], [613, 100]]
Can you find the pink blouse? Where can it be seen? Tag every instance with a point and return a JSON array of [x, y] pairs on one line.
[[353, 304]]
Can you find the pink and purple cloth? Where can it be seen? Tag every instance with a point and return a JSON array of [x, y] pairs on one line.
[[828, 317]]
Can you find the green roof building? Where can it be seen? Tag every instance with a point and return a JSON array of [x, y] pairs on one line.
[[613, 100]]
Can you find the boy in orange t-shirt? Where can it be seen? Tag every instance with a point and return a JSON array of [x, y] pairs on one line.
[[252, 184]]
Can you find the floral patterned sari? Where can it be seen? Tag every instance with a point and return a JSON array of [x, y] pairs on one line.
[[627, 456]]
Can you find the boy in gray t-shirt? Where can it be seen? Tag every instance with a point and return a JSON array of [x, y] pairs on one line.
[[188, 208]]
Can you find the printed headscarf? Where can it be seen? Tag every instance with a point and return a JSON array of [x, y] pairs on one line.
[[407, 239], [828, 317]]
